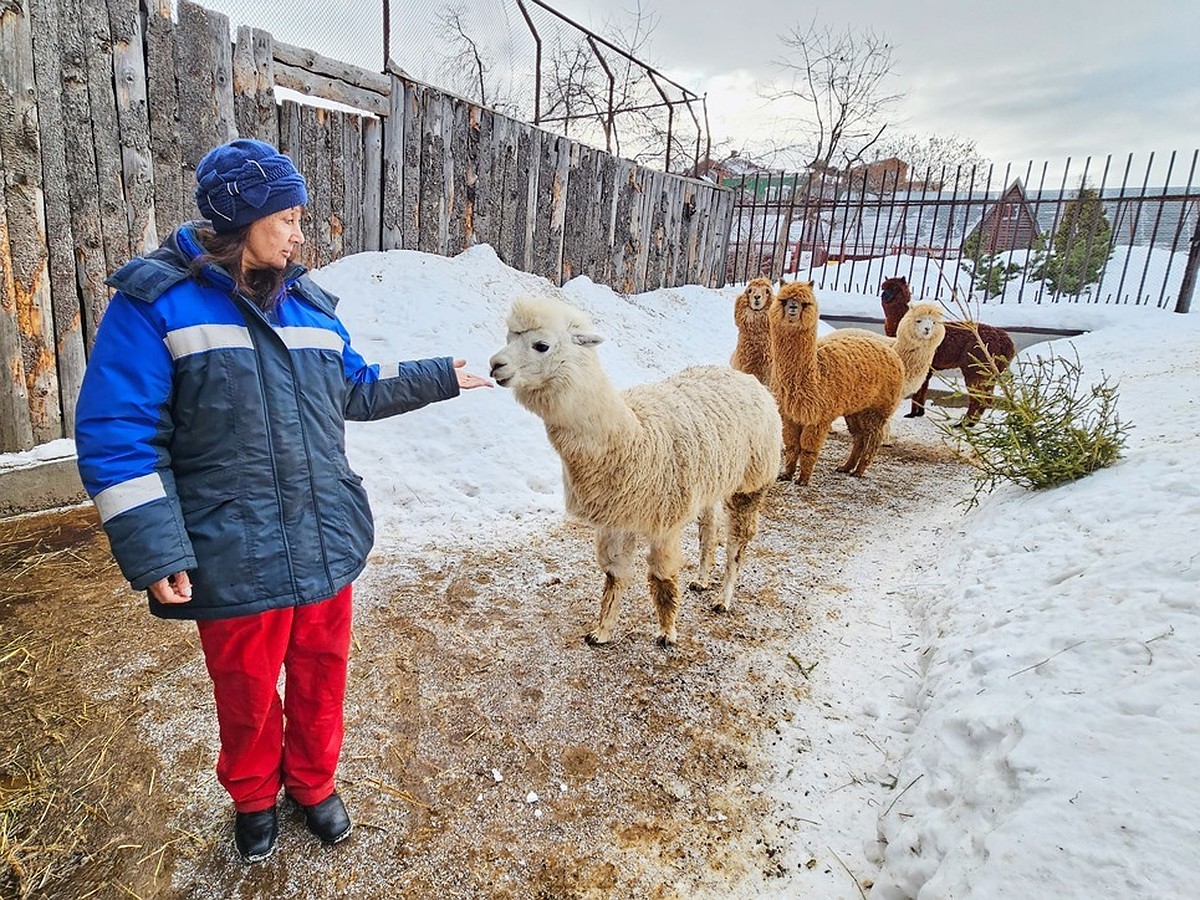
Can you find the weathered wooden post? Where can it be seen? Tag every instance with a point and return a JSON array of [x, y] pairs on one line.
[[26, 280]]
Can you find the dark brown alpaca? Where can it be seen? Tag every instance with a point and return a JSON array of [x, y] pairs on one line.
[[980, 351]]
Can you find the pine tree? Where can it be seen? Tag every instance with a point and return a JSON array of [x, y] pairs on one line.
[[989, 271], [1080, 247]]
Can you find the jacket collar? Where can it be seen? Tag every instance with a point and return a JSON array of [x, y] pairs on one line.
[[148, 277]]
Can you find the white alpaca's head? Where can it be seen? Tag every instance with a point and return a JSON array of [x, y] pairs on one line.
[[548, 341], [924, 320]]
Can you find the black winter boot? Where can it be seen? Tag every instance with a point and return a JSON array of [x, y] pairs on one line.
[[328, 819], [254, 834]]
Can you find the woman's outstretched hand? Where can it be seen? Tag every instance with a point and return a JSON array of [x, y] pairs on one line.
[[468, 380]]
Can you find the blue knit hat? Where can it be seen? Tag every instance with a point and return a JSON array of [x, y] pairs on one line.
[[245, 180]]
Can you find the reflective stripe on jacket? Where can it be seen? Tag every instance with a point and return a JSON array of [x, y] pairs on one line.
[[212, 435]]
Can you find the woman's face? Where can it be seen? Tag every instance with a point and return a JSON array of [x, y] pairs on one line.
[[271, 240]]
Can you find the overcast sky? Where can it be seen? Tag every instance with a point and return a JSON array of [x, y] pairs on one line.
[[1025, 80]]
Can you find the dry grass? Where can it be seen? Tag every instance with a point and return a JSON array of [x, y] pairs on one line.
[[59, 747]]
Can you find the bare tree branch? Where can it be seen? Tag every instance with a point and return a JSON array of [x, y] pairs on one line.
[[927, 154], [467, 50], [839, 80]]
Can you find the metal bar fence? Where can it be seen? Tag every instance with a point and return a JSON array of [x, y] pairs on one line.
[[828, 228]]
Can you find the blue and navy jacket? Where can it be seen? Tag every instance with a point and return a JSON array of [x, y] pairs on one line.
[[211, 435]]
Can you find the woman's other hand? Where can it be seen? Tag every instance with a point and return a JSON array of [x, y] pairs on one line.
[[175, 588]]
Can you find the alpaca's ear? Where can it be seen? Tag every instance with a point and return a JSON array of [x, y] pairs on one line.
[[904, 279], [586, 339], [811, 285]]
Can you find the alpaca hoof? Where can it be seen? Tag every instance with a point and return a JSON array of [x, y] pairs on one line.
[[665, 641], [802, 481], [594, 640], [720, 607], [915, 414], [784, 476], [698, 587]]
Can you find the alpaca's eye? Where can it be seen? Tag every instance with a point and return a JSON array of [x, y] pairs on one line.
[[541, 346]]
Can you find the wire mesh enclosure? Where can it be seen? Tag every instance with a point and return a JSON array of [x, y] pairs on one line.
[[521, 58]]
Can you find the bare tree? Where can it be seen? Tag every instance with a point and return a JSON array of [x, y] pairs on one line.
[[930, 155], [572, 87], [469, 67], [608, 85], [839, 79]]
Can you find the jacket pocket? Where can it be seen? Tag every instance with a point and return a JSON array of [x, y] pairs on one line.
[[224, 569], [352, 532]]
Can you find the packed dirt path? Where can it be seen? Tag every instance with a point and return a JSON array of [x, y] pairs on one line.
[[490, 753]]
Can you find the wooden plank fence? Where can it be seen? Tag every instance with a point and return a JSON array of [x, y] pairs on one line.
[[107, 107]]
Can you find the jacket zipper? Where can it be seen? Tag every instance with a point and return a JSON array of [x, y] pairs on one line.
[[312, 488], [262, 389]]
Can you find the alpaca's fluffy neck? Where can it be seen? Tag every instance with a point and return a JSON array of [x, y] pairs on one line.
[[583, 413], [754, 327], [798, 345], [894, 310], [754, 343]]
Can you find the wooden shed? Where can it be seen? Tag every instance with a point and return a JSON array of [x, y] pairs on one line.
[[1008, 224]]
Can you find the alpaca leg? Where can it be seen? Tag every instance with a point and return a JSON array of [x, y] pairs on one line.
[[918, 399], [981, 388], [857, 426], [812, 438], [615, 554], [791, 448], [665, 560], [710, 533], [873, 427], [743, 511], [976, 386]]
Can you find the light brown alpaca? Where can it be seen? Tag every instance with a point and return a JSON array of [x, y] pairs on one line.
[[752, 354], [815, 382]]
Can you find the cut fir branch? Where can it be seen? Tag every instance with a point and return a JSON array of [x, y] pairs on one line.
[[1044, 428]]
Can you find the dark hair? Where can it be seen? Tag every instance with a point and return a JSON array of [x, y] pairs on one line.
[[225, 249]]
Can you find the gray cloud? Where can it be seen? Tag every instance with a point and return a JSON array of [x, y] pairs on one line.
[[1026, 79]]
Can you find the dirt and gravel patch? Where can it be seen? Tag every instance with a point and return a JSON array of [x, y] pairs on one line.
[[489, 751]]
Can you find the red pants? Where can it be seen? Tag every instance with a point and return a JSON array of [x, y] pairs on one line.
[[259, 753]]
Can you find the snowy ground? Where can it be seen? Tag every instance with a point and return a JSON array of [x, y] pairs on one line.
[[1054, 720]]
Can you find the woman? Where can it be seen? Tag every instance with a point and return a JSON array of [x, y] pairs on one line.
[[210, 433]]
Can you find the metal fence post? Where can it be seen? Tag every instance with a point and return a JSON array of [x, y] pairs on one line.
[[1187, 288]]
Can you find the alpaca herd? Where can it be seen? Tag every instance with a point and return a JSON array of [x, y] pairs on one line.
[[705, 445], [815, 382]]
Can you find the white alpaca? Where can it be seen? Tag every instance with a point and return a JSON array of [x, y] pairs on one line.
[[916, 341], [647, 461]]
